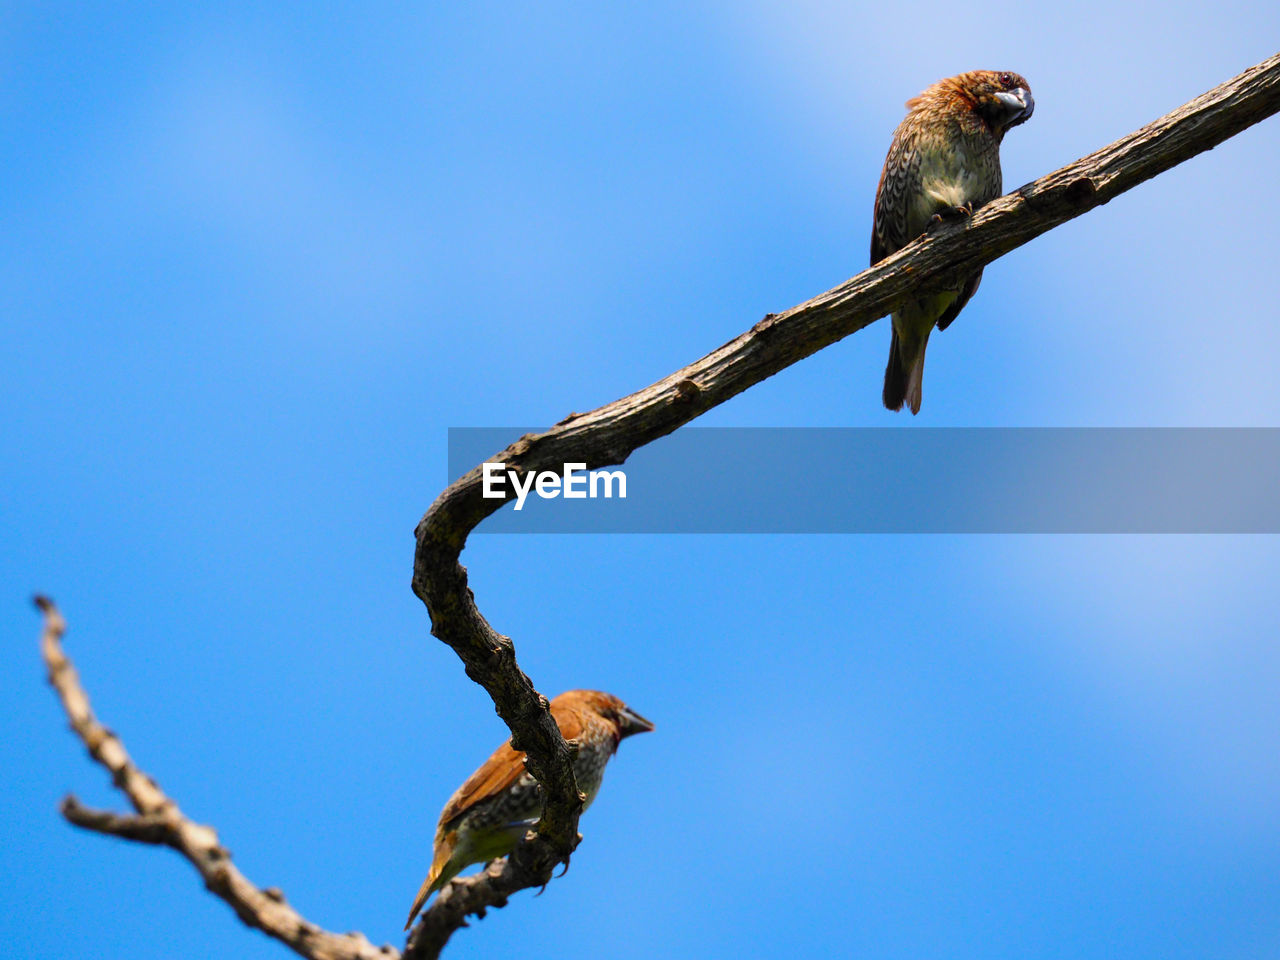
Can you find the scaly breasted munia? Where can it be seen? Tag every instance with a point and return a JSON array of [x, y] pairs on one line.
[[944, 162], [491, 812]]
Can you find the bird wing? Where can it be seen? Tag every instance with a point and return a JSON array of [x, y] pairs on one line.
[[969, 289], [503, 768], [899, 182]]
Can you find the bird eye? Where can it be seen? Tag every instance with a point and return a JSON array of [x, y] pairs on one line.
[[1006, 79]]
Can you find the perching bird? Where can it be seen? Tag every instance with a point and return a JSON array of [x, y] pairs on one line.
[[944, 162], [500, 802]]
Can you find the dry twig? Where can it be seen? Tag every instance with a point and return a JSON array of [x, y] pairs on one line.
[[159, 820]]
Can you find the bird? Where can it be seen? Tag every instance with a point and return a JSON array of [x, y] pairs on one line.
[[494, 808], [943, 163]]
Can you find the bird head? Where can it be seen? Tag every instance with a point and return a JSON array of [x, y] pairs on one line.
[[1002, 98], [607, 707]]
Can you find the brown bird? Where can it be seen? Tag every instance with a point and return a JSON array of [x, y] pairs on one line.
[[944, 163], [500, 802]]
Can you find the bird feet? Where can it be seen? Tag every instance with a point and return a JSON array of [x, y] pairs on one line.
[[950, 215]]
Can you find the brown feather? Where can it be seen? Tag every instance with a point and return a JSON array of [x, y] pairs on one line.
[[945, 155], [505, 766], [597, 720]]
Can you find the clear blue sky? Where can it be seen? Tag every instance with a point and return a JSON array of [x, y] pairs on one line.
[[256, 260]]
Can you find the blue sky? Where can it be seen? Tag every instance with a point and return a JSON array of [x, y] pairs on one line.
[[256, 261]]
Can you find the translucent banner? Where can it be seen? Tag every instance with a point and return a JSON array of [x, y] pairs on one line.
[[883, 480]]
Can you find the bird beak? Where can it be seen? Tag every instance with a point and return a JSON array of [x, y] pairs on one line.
[[630, 722], [1018, 104]]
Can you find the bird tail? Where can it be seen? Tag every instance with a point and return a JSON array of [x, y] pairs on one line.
[[904, 374], [437, 877]]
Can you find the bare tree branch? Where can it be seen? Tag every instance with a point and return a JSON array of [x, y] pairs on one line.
[[151, 828], [159, 821], [463, 897], [608, 435]]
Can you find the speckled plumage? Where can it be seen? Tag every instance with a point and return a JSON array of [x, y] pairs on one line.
[[491, 812], [944, 161]]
